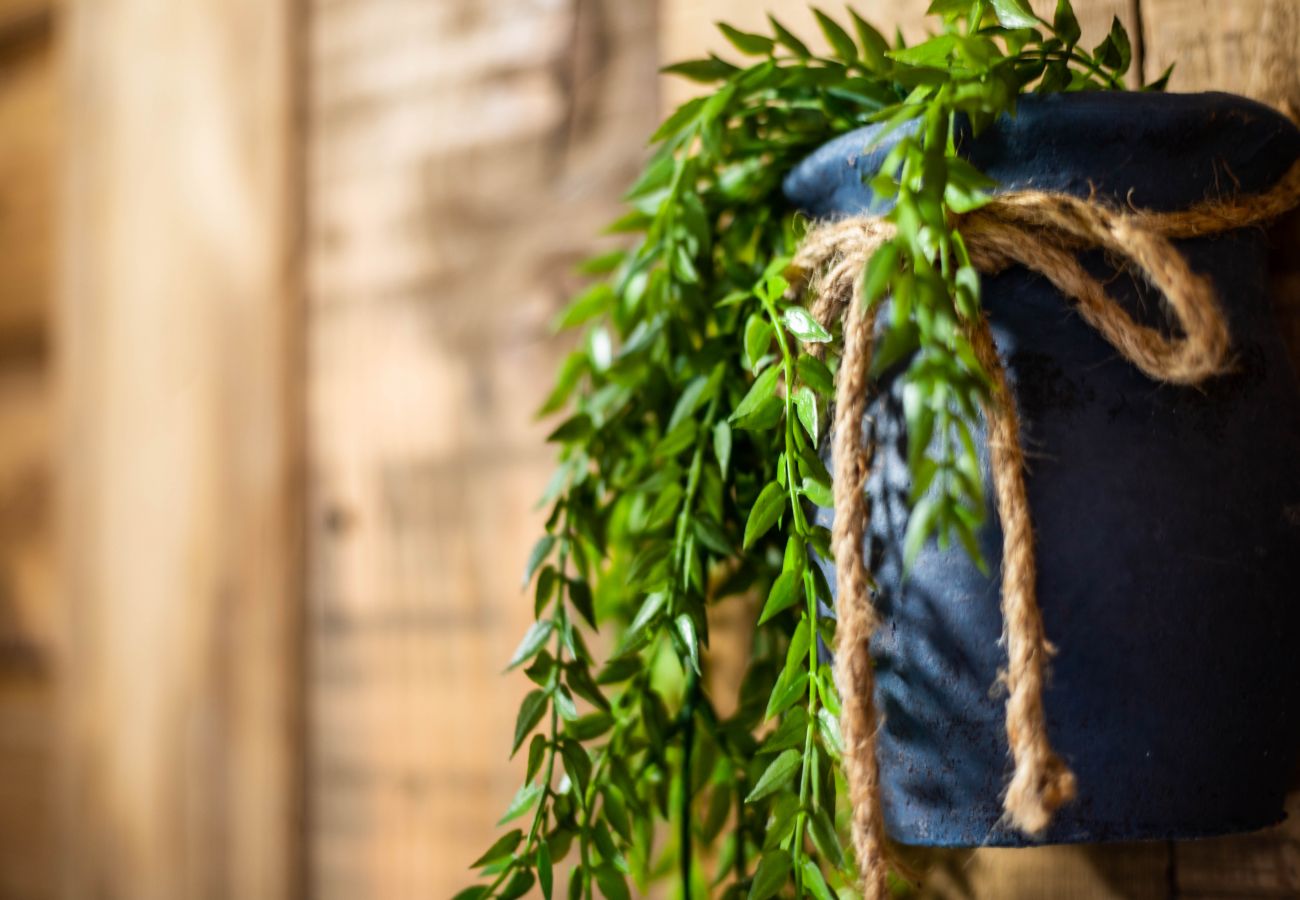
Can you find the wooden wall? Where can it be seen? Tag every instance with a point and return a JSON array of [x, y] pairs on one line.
[[29, 124], [176, 339]]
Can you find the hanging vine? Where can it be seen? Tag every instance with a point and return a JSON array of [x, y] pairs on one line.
[[689, 457]]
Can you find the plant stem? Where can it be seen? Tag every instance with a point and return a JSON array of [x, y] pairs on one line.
[[801, 529], [684, 798], [539, 817]]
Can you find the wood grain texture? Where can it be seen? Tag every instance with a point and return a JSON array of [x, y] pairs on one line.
[[29, 119], [461, 157], [28, 723], [28, 624], [175, 336], [1248, 47]]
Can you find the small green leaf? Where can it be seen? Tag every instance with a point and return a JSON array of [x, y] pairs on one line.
[[767, 510], [580, 681], [690, 399], [934, 53], [546, 582], [791, 733], [805, 405], [616, 812], [873, 43], [775, 776], [880, 271], [788, 40], [536, 750], [564, 705], [797, 653], [829, 729], [920, 525], [1065, 24], [711, 536], [577, 763], [719, 810], [545, 874], [1162, 82], [819, 492], [1014, 14], [814, 373], [602, 263], [617, 670], [722, 446], [825, 838], [1123, 48], [784, 594], [785, 809], [572, 430], [530, 713], [519, 884], [763, 417], [803, 326], [580, 597], [649, 609], [814, 881], [605, 844], [501, 850], [772, 874], [749, 44], [523, 801], [786, 693], [537, 556], [477, 892], [613, 886], [758, 338], [836, 36], [586, 306], [533, 640], [762, 390], [685, 627], [701, 70], [1105, 53], [590, 726]]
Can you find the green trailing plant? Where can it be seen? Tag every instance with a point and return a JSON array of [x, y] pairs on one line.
[[689, 459]]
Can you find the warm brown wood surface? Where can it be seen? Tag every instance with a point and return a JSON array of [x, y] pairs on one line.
[[29, 123], [175, 338], [462, 155]]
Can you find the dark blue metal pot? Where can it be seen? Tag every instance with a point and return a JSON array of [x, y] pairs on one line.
[[1167, 518]]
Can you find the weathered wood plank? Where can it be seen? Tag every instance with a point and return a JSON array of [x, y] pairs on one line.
[[461, 157], [28, 626], [28, 120], [175, 325], [1246, 47]]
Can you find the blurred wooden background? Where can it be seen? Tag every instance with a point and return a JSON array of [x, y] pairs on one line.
[[274, 284]]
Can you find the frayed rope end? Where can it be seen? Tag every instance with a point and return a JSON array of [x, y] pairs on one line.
[[1037, 792]]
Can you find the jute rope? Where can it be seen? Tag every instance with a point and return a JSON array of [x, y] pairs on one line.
[[1040, 231]]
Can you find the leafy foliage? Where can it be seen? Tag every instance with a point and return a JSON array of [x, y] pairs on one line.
[[689, 461]]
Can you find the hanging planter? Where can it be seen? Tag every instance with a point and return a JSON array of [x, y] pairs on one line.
[[1166, 517], [1056, 515]]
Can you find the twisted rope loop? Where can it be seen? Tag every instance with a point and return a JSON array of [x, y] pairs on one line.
[[1040, 231]]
